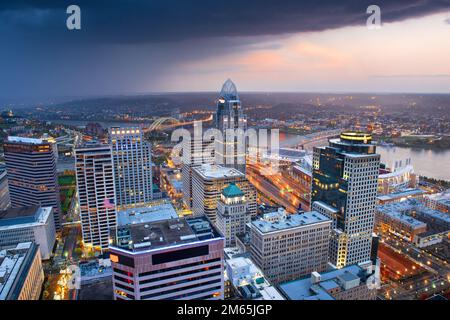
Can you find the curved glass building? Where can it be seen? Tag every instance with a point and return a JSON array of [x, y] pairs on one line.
[[231, 150]]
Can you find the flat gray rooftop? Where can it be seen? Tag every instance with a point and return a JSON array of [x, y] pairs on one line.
[[164, 233], [161, 210], [11, 213], [303, 289], [208, 171], [291, 221]]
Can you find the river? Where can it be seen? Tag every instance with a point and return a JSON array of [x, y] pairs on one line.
[[426, 162]]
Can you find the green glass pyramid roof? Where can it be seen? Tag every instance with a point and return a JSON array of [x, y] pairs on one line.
[[232, 191]]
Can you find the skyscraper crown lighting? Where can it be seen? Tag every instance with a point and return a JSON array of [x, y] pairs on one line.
[[229, 91]]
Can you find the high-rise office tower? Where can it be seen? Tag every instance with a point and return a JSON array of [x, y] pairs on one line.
[[232, 213], [173, 259], [287, 247], [196, 151], [229, 115], [32, 175], [208, 181], [344, 187], [96, 193], [132, 159]]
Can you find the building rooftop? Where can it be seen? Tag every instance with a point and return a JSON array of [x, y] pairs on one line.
[[234, 252], [164, 233], [286, 154], [277, 221], [303, 169], [434, 219], [155, 211], [395, 212], [440, 196], [25, 140], [407, 193], [353, 144], [12, 262], [249, 280], [325, 206], [304, 289], [329, 284], [92, 270], [118, 130], [24, 217], [232, 190], [443, 197], [93, 147], [10, 213], [348, 276], [208, 171]]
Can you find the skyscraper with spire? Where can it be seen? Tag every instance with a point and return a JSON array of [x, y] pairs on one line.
[[230, 118]]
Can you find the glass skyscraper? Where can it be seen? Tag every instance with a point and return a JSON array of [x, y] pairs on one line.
[[344, 187], [229, 115]]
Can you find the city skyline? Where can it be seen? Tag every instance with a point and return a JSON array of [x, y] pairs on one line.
[[224, 150]]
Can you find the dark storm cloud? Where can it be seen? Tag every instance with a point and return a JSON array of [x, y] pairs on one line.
[[132, 45], [170, 20]]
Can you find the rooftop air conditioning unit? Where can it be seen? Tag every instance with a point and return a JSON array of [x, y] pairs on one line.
[[315, 277]]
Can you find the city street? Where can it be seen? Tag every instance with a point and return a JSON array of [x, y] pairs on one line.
[[409, 272]]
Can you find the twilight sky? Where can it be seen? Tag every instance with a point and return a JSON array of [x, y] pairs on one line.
[[140, 46]]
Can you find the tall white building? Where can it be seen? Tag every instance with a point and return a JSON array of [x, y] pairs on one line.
[[132, 159], [344, 188], [208, 181], [230, 116], [232, 213], [96, 193]]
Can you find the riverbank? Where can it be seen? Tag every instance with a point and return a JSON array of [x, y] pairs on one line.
[[426, 162], [441, 143]]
